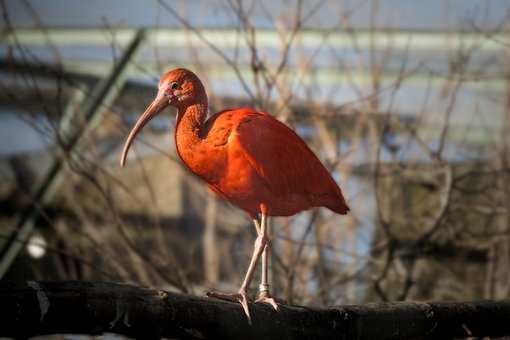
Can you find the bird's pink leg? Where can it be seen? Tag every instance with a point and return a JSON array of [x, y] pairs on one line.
[[240, 296], [264, 296]]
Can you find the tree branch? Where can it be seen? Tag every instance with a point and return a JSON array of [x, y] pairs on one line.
[[38, 308]]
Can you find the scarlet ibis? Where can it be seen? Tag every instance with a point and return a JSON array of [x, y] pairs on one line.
[[247, 157]]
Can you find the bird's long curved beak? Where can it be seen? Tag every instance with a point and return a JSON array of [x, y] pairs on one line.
[[154, 108]]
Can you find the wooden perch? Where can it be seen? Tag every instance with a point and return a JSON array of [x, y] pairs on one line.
[[38, 308]]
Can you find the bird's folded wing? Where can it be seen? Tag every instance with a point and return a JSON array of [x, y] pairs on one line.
[[281, 158]]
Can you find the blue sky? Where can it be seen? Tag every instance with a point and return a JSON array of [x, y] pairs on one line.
[[402, 14]]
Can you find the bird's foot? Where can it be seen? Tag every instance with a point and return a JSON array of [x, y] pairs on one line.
[[239, 297], [264, 297]]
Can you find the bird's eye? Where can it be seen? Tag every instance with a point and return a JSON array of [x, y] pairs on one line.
[[174, 85]]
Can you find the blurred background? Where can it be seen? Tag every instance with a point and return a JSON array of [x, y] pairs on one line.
[[406, 102]]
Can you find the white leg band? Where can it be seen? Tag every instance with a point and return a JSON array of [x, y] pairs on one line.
[[263, 288]]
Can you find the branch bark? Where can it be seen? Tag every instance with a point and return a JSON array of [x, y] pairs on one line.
[[38, 308]]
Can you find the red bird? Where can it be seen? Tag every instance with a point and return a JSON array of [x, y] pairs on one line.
[[248, 158]]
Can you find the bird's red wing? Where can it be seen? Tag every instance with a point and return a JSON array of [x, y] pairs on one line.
[[283, 160]]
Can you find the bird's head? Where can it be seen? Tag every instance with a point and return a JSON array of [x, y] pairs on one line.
[[179, 88]]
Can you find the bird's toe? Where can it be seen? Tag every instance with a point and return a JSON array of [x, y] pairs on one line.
[[243, 300], [269, 300], [240, 297]]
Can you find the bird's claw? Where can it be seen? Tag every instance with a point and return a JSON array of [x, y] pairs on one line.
[[264, 297], [239, 297]]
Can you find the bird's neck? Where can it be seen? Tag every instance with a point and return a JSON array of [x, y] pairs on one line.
[[188, 136], [191, 118]]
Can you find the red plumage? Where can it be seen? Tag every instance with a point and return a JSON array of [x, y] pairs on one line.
[[268, 164]]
